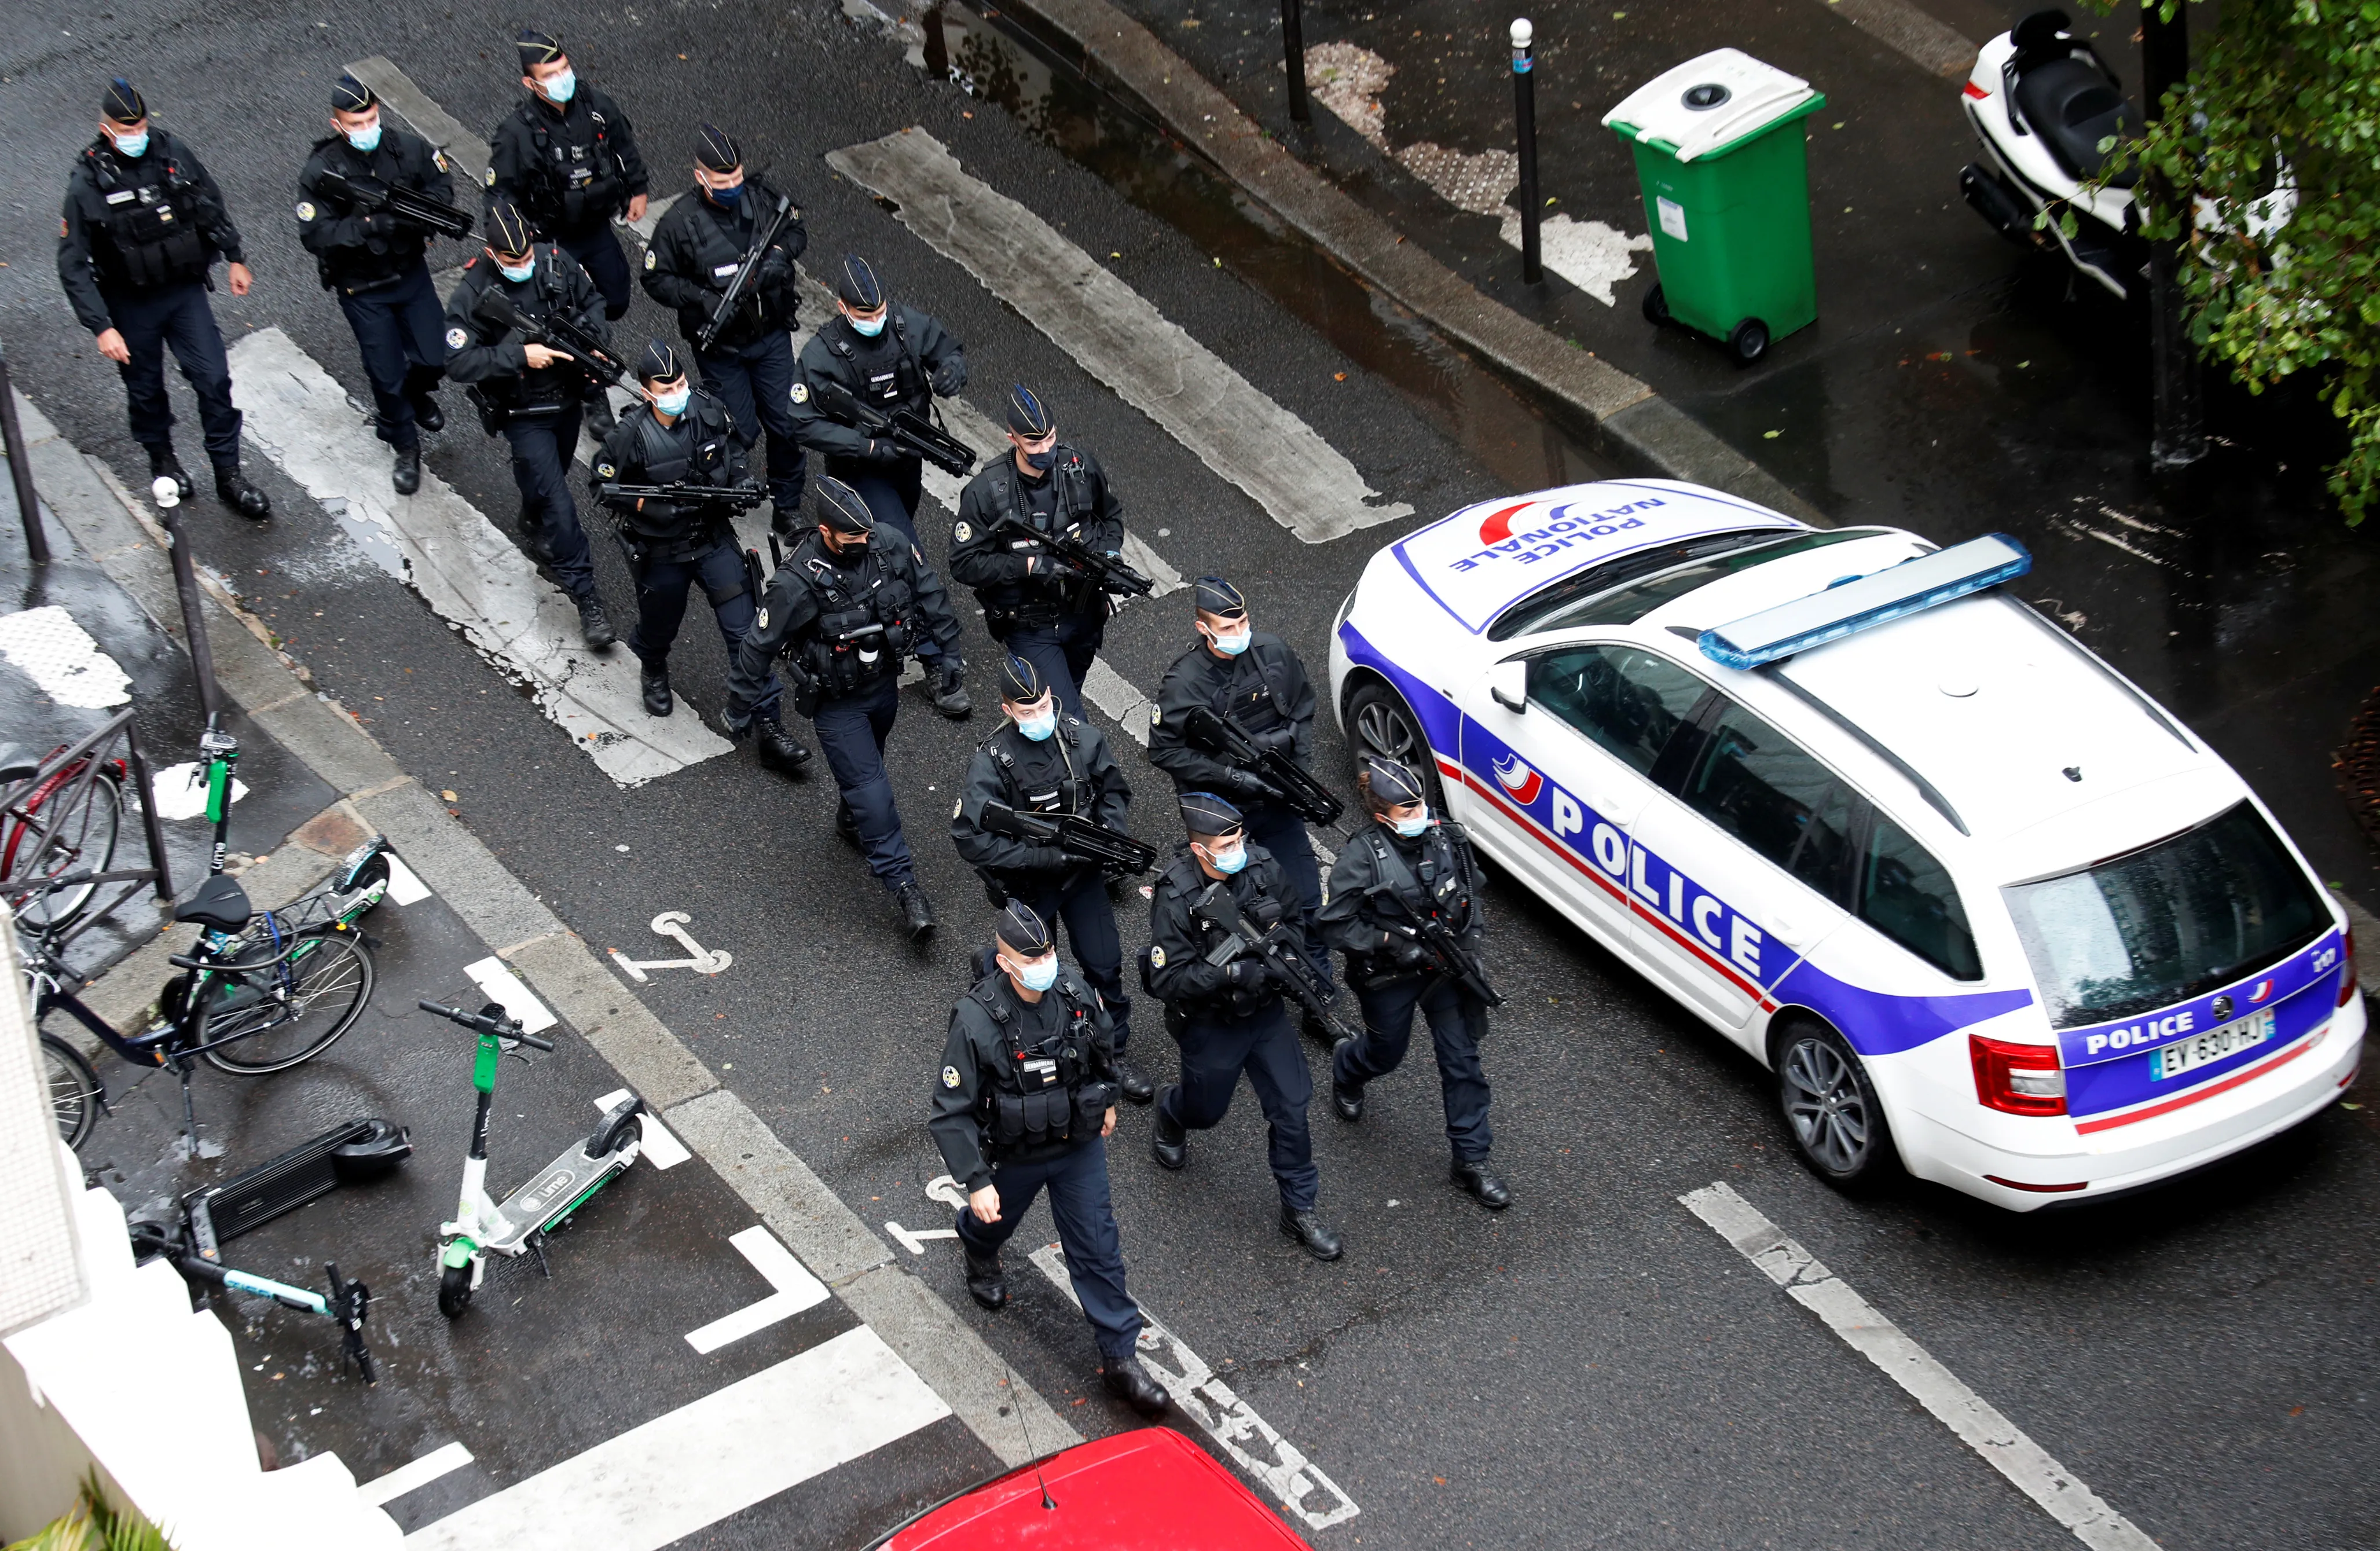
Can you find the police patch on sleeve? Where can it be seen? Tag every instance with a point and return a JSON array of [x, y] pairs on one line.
[[604, 470], [457, 339], [958, 807], [1156, 716], [1156, 956], [305, 210], [801, 392], [761, 620], [650, 258], [438, 156], [492, 178], [963, 532], [950, 1076]]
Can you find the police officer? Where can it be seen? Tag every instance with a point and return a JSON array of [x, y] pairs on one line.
[[531, 394], [568, 158], [1042, 760], [886, 355], [1405, 870], [1027, 1101], [680, 436], [142, 226], [696, 251], [1038, 607], [373, 261], [847, 605], [1255, 679], [1228, 1017]]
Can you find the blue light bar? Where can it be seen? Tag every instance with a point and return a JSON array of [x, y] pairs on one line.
[[1888, 594]]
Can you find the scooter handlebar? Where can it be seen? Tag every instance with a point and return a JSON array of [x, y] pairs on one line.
[[502, 1028]]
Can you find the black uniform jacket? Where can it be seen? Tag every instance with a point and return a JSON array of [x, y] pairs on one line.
[[914, 359], [791, 606], [138, 222], [1073, 498], [1072, 770], [356, 248], [698, 448], [1178, 941], [981, 1057], [699, 246], [496, 360], [1433, 875], [570, 169], [1263, 689]]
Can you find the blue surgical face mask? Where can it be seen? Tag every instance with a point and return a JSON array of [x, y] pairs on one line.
[[1409, 828], [364, 139], [1229, 861], [868, 328], [130, 145], [517, 276], [1041, 974], [562, 86], [1231, 646], [1039, 728], [730, 197], [674, 403], [1043, 460]]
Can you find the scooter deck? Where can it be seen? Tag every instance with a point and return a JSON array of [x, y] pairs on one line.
[[558, 1184]]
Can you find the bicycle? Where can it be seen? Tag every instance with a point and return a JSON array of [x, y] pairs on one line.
[[68, 820]]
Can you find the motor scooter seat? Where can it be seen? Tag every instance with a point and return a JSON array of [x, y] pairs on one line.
[[2072, 105], [220, 903]]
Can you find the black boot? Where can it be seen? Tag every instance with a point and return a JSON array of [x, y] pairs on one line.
[[234, 491], [1169, 1142], [1345, 1101], [950, 693], [777, 748], [163, 464], [406, 474], [985, 1282], [916, 915], [1135, 1086], [1129, 1382], [601, 419], [1307, 1230], [427, 415], [594, 625], [658, 701], [1485, 1187]]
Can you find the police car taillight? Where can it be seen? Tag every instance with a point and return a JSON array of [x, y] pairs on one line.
[[2018, 1079], [2347, 971]]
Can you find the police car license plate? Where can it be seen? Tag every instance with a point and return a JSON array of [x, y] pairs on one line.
[[2185, 1055]]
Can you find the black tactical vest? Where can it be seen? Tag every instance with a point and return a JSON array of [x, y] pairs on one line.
[[1042, 1093], [148, 235]]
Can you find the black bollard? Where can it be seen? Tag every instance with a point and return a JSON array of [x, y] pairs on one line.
[[1293, 43], [20, 473], [1525, 110]]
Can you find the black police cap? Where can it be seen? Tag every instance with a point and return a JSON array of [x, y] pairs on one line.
[[537, 48], [1215, 596], [841, 509], [659, 363], [1028, 416], [857, 284], [350, 95], [1392, 782], [1204, 814], [1023, 930], [508, 229], [123, 102], [1020, 682], [717, 150]]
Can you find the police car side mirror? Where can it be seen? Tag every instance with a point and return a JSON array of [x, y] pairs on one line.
[[1507, 683]]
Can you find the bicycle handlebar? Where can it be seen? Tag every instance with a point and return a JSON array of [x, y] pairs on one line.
[[502, 1028]]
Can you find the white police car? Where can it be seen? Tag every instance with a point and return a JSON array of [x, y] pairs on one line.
[[1979, 903]]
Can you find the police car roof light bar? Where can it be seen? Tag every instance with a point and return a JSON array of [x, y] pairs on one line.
[[1778, 633]]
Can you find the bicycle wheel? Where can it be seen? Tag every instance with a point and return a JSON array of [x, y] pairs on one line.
[[328, 980], [68, 826], [74, 1089]]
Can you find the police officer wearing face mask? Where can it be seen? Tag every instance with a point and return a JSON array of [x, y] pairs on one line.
[[697, 248], [681, 437], [531, 395], [1406, 868], [142, 226], [1253, 679], [1026, 1100], [1228, 1017], [568, 158], [1038, 607], [847, 605], [371, 259], [887, 356], [1045, 761]]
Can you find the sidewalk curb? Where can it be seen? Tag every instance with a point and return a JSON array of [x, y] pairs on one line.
[[85, 499], [1627, 420]]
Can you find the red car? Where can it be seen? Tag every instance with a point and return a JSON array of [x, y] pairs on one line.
[[1150, 1487]]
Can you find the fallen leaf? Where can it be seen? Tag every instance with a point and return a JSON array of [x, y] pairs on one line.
[[450, 796], [1770, 435], [1337, 376]]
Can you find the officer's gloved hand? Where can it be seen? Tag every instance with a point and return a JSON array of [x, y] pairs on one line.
[[1280, 739], [1405, 953], [1247, 975], [1248, 784], [776, 270], [1051, 858], [949, 378]]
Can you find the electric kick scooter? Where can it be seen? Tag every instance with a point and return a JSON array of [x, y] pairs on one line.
[[519, 1227]]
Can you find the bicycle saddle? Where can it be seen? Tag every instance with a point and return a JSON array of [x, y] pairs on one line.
[[220, 903], [17, 762]]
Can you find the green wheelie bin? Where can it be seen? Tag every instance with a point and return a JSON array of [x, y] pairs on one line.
[[1726, 179]]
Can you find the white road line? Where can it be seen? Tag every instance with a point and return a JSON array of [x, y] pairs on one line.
[[58, 655], [405, 886], [505, 989], [1313, 1496], [697, 1465], [795, 1290], [1999, 1440], [432, 123], [914, 1239], [415, 1476], [1308, 486], [471, 575], [660, 1149]]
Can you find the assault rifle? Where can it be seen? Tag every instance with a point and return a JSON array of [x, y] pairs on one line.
[[406, 204], [1077, 836], [1224, 738], [733, 296], [905, 428], [1108, 573], [741, 497], [1446, 952], [1217, 907], [496, 309]]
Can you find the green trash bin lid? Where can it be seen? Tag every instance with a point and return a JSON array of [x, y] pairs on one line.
[[1709, 104]]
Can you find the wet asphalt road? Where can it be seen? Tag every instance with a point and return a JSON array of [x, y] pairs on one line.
[[1594, 1367]]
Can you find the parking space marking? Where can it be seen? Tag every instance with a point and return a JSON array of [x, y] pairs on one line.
[[387, 1489], [506, 990], [432, 123], [1286, 1473], [2001, 1441], [1308, 486], [914, 1239], [795, 1290], [404, 885], [692, 1467], [661, 1149]]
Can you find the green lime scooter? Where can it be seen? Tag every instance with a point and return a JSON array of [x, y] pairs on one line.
[[519, 1227]]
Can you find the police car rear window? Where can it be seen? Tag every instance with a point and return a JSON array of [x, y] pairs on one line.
[[2167, 923], [1625, 590]]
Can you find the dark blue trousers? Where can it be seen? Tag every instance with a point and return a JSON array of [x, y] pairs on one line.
[[1062, 653], [175, 318], [661, 587], [543, 445], [397, 328], [598, 253], [1215, 1050], [1282, 833], [851, 732], [1077, 1183], [1456, 1021], [755, 383], [1082, 904], [893, 491]]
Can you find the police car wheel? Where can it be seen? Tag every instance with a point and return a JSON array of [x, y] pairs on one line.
[[1383, 723], [1830, 1107]]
